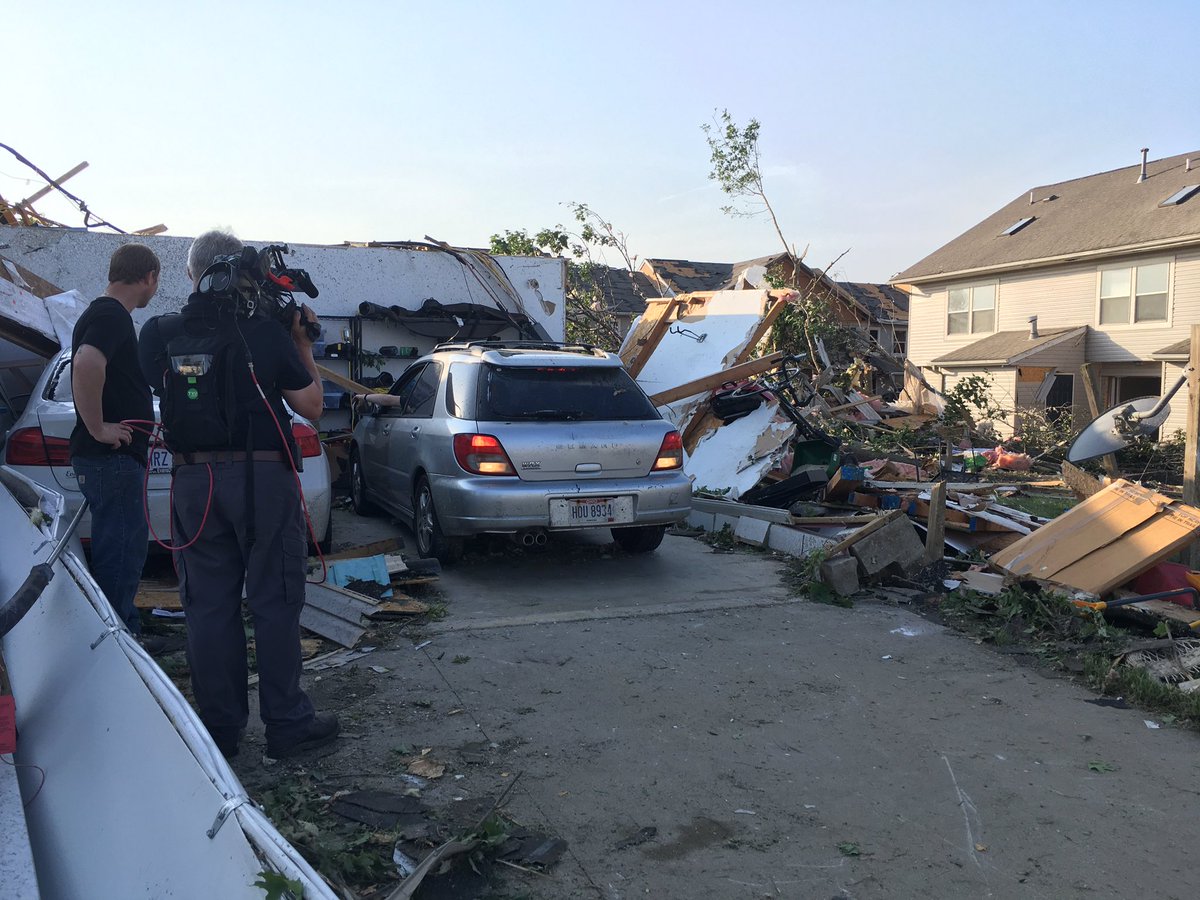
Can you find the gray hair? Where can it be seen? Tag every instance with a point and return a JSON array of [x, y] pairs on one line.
[[208, 247]]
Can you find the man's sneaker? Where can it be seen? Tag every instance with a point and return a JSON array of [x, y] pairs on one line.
[[321, 730]]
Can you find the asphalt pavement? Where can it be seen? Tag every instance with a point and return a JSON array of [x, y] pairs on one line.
[[691, 729]]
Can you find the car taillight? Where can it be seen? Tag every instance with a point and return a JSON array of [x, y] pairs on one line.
[[670, 454], [308, 439], [30, 447], [482, 454]]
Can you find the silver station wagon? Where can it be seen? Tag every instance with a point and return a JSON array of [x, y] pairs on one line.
[[521, 439]]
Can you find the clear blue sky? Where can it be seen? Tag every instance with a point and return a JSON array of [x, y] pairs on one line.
[[887, 129]]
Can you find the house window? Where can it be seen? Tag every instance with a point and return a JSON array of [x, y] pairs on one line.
[[1132, 294], [971, 310], [900, 341]]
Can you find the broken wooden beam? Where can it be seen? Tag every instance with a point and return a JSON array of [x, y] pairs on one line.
[[935, 537], [715, 380]]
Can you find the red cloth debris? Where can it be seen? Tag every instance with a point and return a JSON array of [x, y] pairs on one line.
[[999, 458]]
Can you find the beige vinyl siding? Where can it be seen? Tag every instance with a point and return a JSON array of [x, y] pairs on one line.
[[1177, 421], [927, 325], [1065, 359], [1004, 392], [1062, 297]]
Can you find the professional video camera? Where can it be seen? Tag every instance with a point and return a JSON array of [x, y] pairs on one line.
[[256, 282]]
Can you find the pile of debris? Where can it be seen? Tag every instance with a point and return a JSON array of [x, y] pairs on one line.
[[785, 459]]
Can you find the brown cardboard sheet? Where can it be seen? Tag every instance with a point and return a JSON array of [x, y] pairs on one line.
[[1105, 541]]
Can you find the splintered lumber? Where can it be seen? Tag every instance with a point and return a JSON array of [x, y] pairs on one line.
[[38, 195], [1089, 389], [715, 380], [158, 598], [1191, 488], [851, 539], [378, 548], [399, 609], [649, 330], [1079, 481], [343, 382]]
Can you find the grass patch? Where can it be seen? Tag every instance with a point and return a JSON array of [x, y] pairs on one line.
[[1047, 506], [1143, 690]]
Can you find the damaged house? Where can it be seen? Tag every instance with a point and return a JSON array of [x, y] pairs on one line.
[[1094, 277], [878, 310]]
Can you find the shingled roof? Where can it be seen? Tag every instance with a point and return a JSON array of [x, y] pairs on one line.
[[884, 302], [685, 276], [1097, 215], [1179, 350], [1006, 348], [625, 292]]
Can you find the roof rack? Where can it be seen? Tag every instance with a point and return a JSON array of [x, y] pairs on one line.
[[483, 346]]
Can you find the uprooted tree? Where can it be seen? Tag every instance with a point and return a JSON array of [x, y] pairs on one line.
[[810, 317], [588, 317]]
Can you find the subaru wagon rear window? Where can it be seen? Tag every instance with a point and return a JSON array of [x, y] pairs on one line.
[[560, 394]]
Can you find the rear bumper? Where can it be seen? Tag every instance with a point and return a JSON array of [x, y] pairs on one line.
[[467, 506]]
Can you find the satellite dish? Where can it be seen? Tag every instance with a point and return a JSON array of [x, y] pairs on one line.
[[1118, 427]]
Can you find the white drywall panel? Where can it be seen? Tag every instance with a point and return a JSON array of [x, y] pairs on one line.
[[699, 345]]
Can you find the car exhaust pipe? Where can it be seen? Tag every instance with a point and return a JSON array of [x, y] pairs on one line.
[[529, 538]]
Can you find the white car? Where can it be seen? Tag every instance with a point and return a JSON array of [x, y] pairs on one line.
[[37, 447]]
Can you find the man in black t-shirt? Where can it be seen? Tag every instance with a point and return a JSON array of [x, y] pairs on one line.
[[237, 511], [113, 415]]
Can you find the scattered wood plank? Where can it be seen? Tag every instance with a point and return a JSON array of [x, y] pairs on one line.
[[1191, 457], [157, 598], [1080, 482], [649, 330], [1089, 389], [342, 381], [935, 536], [852, 539], [377, 548], [715, 380], [399, 609]]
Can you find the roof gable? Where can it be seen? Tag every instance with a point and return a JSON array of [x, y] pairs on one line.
[[1110, 211]]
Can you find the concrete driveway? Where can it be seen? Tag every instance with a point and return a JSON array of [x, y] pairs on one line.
[[693, 731]]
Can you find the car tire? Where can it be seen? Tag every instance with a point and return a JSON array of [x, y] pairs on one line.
[[431, 542], [358, 487], [639, 538]]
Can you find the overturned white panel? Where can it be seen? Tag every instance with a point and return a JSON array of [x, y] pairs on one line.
[[698, 345], [737, 455], [132, 783]]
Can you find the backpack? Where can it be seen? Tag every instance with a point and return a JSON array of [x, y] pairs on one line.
[[198, 401]]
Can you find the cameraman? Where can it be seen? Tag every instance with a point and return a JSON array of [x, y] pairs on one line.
[[237, 512]]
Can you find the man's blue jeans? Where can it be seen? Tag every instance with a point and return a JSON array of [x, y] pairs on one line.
[[113, 486]]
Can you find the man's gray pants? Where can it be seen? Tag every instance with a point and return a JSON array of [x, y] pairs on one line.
[[212, 574]]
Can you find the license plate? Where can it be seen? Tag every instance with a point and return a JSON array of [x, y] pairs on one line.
[[586, 512], [160, 461]]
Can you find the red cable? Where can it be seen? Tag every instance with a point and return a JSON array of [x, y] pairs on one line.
[[133, 423], [296, 474]]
